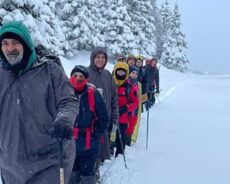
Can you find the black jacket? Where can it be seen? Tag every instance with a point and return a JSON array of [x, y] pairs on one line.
[[153, 80]]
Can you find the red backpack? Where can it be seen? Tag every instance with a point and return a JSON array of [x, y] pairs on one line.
[[90, 128]]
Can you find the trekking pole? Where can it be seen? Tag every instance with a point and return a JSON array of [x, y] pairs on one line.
[[147, 131], [122, 147], [61, 161]]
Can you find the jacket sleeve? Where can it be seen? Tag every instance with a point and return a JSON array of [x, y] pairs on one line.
[[144, 83], [114, 103], [66, 102], [157, 80], [101, 113]]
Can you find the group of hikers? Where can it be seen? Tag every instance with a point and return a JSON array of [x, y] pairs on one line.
[[47, 118]]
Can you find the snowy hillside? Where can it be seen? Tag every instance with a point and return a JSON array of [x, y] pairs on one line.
[[188, 133]]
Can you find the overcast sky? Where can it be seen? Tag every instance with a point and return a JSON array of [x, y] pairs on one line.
[[207, 27]]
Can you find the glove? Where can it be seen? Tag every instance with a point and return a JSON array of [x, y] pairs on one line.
[[149, 94], [123, 109], [61, 129]]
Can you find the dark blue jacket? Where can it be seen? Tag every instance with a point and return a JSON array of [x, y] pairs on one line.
[[86, 117]]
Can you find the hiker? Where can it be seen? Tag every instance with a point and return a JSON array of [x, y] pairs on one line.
[[152, 75], [38, 108], [127, 102], [90, 124], [131, 59], [103, 81], [133, 115]]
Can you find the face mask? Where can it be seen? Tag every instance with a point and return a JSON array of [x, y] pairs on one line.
[[78, 85]]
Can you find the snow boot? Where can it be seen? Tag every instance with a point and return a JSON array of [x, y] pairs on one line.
[[88, 180], [128, 140]]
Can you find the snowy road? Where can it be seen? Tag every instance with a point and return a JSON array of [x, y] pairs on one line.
[[189, 137]]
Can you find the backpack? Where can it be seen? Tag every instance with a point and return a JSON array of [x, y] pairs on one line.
[[89, 127], [44, 55]]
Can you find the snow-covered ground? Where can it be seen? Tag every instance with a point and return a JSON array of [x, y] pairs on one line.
[[188, 133]]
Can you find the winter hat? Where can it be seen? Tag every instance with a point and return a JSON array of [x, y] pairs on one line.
[[82, 69], [120, 66], [133, 68], [11, 35], [154, 59], [148, 62], [131, 57], [121, 58], [95, 52], [139, 57]]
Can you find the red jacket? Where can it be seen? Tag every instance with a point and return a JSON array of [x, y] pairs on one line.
[[127, 101]]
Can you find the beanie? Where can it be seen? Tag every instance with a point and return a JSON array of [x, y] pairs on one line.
[[82, 69], [11, 35], [121, 58], [133, 68], [148, 62]]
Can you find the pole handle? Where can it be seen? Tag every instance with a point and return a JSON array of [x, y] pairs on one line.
[[62, 181], [61, 161]]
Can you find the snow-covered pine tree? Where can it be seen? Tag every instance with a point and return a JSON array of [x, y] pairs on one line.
[[142, 25], [159, 31], [98, 7], [179, 37], [118, 35], [174, 47], [78, 24], [166, 16], [38, 17]]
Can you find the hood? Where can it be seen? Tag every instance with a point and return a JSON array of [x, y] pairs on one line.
[[96, 51], [20, 29], [119, 66]]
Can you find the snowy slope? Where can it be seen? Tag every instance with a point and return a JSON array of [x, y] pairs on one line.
[[188, 133], [188, 137]]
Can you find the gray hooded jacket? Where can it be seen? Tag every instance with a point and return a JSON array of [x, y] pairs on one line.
[[29, 104], [103, 79]]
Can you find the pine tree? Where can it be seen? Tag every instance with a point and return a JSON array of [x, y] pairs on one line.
[[166, 16], [119, 38], [98, 7], [159, 31], [142, 25], [174, 47], [38, 17], [78, 19]]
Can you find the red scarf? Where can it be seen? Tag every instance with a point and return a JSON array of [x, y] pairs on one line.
[[78, 85]]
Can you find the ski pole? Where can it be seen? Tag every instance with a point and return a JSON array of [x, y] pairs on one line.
[[147, 131], [61, 161], [122, 147]]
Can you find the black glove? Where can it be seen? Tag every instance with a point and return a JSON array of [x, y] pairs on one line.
[[123, 109], [149, 94], [61, 129]]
